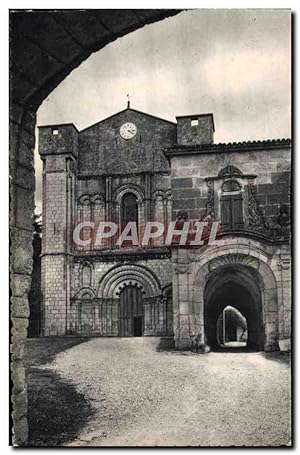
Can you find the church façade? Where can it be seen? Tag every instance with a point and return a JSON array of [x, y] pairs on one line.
[[134, 166]]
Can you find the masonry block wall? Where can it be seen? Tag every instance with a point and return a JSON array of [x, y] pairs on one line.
[[196, 129], [22, 185], [268, 163]]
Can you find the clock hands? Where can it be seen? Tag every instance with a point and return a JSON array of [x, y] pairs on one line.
[[128, 130]]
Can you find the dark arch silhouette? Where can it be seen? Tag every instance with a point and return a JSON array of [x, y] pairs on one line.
[[45, 46], [129, 209]]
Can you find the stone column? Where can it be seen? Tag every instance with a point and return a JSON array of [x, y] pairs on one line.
[[284, 288], [182, 296], [109, 207]]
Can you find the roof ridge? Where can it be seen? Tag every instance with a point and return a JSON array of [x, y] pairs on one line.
[[223, 144], [127, 109]]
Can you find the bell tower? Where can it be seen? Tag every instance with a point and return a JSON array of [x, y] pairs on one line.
[[195, 129], [58, 148]]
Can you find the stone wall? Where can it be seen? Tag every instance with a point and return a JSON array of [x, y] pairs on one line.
[[263, 171], [22, 185]]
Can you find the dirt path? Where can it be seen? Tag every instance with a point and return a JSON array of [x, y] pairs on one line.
[[144, 397]]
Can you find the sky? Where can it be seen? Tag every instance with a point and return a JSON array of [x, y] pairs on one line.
[[233, 63]]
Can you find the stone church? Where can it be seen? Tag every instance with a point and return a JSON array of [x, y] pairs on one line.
[[134, 166]]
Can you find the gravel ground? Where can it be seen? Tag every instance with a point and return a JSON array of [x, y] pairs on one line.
[[142, 397]]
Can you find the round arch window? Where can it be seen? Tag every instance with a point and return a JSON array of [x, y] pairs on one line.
[[129, 209]]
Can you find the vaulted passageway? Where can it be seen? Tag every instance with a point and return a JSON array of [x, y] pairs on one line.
[[236, 286]]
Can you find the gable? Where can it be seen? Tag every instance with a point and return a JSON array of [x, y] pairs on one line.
[[102, 150]]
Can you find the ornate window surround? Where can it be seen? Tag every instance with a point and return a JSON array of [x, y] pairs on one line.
[[216, 190], [118, 197], [231, 187]]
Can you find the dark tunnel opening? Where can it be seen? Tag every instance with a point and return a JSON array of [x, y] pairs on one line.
[[233, 309]]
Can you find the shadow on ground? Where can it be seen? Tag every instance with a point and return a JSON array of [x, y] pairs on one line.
[[235, 350], [277, 356], [39, 351], [56, 411], [166, 344]]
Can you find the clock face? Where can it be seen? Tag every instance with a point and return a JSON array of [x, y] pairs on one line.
[[128, 130]]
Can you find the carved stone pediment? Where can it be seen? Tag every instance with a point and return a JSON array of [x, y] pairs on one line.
[[230, 171], [230, 259]]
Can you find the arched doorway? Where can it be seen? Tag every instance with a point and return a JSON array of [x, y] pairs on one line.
[[131, 312], [236, 286], [139, 307]]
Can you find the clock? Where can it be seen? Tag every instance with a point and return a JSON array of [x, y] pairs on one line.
[[128, 130]]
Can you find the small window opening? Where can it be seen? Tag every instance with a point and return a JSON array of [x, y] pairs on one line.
[[55, 132], [194, 122]]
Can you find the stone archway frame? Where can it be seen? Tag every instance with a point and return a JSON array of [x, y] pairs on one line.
[[249, 255], [249, 282], [138, 192], [84, 290], [128, 274], [128, 188], [120, 276]]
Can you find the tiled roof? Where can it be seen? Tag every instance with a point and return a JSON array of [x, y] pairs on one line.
[[225, 147]]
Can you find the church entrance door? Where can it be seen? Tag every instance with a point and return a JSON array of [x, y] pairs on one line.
[[138, 326], [131, 315]]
